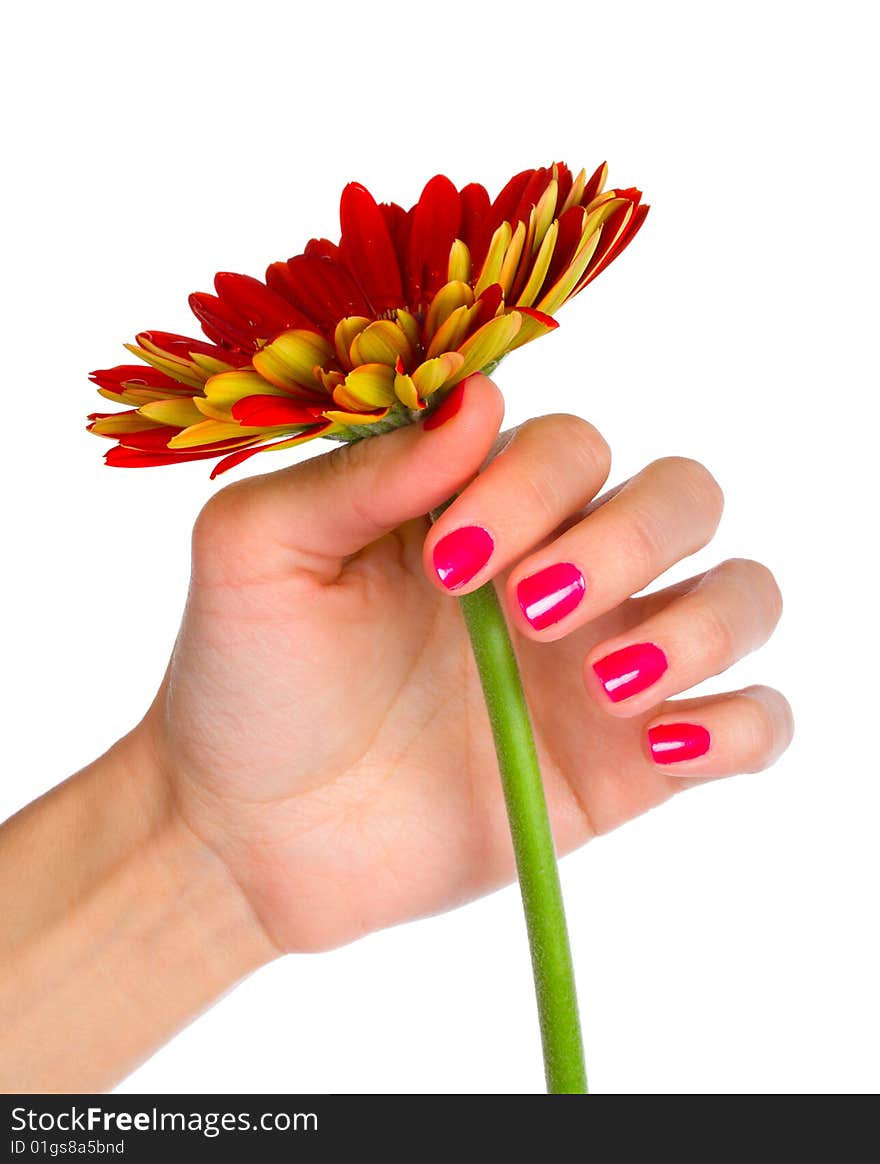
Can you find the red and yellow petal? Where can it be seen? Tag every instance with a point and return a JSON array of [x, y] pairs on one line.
[[406, 305], [290, 360]]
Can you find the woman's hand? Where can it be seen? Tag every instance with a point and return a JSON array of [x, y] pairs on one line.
[[321, 723]]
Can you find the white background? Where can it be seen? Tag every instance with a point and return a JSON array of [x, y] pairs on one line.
[[726, 942]]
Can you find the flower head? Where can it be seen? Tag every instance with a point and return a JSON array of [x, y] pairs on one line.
[[350, 340]]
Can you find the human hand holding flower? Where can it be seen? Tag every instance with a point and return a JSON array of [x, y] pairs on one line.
[[319, 761], [321, 723]]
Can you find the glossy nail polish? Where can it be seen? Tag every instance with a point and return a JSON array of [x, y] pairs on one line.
[[551, 594], [449, 408], [672, 742], [462, 554], [626, 672]]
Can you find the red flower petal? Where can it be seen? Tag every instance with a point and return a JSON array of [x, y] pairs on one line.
[[182, 346], [259, 308], [269, 411], [487, 306], [611, 246], [509, 198], [242, 454], [320, 288], [592, 187], [399, 222], [540, 316], [475, 207], [367, 249], [571, 226], [121, 457], [564, 178], [436, 222], [150, 439], [220, 323], [531, 194], [138, 375], [322, 248]]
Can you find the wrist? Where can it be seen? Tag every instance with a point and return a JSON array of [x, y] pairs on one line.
[[123, 926], [179, 866]]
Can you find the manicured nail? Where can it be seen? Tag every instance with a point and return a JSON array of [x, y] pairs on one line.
[[630, 670], [551, 594], [462, 554], [673, 742], [447, 409]]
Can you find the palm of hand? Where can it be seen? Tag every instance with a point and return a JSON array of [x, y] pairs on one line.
[[331, 742]]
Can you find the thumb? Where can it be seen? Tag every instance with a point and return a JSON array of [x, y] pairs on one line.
[[313, 515]]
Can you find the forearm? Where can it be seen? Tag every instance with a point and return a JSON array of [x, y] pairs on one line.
[[119, 927]]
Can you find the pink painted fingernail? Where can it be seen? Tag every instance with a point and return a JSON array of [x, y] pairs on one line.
[[626, 672], [672, 742], [447, 409], [462, 554], [551, 594]]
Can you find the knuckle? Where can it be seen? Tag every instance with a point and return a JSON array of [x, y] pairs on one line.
[[575, 434], [643, 542], [697, 483], [713, 632], [216, 515], [543, 493], [757, 581]]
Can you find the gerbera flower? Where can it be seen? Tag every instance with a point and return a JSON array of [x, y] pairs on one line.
[[350, 340]]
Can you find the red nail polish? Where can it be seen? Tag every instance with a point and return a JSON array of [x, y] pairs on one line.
[[630, 670], [462, 554], [447, 408], [551, 594], [672, 742]]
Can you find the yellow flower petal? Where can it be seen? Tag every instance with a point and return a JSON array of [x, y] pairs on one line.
[[342, 417], [539, 267], [495, 257], [410, 327], [184, 373], [406, 392], [181, 413], [449, 298], [228, 387], [511, 258], [383, 342], [209, 365], [209, 431], [433, 374], [369, 386], [488, 344], [122, 423], [576, 192], [288, 360], [450, 335], [543, 213], [459, 262], [346, 330], [566, 282]]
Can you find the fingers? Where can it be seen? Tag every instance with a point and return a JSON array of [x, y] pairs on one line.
[[327, 508], [551, 466], [731, 611], [668, 511], [743, 731]]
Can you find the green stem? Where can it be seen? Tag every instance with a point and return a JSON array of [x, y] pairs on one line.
[[532, 841]]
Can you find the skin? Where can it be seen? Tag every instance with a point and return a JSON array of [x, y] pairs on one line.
[[317, 763]]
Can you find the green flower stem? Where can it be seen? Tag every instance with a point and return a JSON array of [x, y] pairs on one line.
[[532, 840]]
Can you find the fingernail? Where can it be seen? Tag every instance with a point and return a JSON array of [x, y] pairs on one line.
[[447, 409], [673, 742], [462, 554], [551, 594], [626, 672]]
